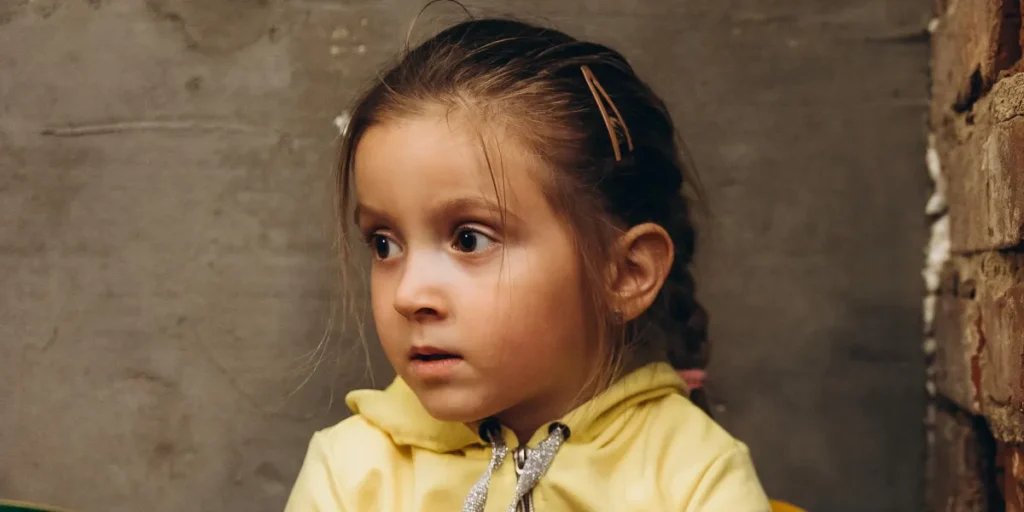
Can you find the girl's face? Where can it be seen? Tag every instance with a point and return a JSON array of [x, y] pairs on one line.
[[475, 282]]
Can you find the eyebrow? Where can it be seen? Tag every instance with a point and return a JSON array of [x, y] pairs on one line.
[[458, 204], [448, 208], [361, 209]]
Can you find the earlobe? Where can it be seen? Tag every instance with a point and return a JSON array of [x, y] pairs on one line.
[[643, 262]]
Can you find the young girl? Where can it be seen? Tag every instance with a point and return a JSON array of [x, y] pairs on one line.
[[524, 199]]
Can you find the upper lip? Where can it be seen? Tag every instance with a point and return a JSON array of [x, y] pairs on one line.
[[426, 350]]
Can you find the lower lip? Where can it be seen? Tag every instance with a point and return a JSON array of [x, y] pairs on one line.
[[435, 369]]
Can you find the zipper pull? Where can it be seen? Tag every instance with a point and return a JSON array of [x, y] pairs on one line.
[[519, 456]]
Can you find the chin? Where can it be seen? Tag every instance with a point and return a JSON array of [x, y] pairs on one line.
[[449, 406]]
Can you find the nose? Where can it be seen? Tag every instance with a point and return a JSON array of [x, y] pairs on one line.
[[420, 294]]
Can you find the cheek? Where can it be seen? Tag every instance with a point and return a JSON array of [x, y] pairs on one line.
[[385, 318], [379, 294], [543, 308]]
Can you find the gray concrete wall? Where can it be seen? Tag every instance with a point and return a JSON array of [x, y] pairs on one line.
[[165, 257]]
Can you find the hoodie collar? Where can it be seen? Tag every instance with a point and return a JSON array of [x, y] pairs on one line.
[[397, 411]]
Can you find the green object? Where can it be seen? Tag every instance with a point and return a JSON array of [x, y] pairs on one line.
[[23, 506]]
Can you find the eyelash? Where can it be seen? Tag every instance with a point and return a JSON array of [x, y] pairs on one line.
[[468, 228], [472, 228], [371, 238]]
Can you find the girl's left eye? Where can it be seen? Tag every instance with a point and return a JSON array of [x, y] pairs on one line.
[[383, 247], [470, 240]]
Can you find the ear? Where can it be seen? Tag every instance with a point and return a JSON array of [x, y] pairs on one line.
[[643, 261]]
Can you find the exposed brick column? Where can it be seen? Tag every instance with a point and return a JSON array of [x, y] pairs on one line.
[[975, 274]]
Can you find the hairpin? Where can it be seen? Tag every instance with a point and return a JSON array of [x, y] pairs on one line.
[[609, 122]]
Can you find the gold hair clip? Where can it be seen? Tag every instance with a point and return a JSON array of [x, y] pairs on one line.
[[609, 122]]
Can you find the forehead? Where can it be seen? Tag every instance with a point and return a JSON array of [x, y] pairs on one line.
[[445, 156]]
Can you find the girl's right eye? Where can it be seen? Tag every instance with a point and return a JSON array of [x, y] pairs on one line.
[[384, 247]]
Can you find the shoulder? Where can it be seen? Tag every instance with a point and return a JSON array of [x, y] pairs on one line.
[[354, 445], [700, 462], [344, 468], [353, 432], [676, 423]]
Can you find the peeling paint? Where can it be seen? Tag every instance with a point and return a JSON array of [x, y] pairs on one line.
[[937, 202], [930, 303], [930, 346], [936, 254], [937, 250]]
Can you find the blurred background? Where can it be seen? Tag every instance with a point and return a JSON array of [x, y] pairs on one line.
[[167, 278]]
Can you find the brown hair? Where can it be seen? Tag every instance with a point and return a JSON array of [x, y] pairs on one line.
[[535, 81]]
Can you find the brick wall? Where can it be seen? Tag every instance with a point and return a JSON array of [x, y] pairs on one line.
[[975, 273]]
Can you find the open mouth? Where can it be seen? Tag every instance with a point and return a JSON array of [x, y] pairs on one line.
[[432, 364], [432, 354], [434, 357]]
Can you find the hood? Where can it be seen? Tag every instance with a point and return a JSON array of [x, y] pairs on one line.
[[398, 412]]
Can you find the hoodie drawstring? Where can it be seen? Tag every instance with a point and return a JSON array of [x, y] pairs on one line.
[[477, 498], [538, 460]]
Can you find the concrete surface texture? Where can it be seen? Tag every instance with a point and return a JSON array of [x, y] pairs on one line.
[[166, 272]]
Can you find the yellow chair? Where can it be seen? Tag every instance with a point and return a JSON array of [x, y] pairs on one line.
[[781, 506], [24, 506]]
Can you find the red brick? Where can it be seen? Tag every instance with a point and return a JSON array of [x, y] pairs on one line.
[[979, 334], [971, 45], [1002, 369], [1006, 100], [960, 465], [1010, 459], [957, 337], [986, 192]]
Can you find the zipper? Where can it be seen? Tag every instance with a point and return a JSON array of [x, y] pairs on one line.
[[519, 457]]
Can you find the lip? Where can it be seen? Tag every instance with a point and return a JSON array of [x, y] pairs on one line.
[[432, 363], [416, 353]]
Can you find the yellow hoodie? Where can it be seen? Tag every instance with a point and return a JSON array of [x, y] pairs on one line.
[[639, 446]]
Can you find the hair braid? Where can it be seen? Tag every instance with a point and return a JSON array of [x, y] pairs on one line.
[[691, 347]]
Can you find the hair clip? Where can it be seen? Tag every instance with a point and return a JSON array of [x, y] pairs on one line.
[[609, 122]]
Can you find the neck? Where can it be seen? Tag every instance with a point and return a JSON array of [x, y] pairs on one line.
[[526, 418]]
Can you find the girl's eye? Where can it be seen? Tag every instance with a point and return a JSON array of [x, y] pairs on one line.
[[471, 240], [384, 247]]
